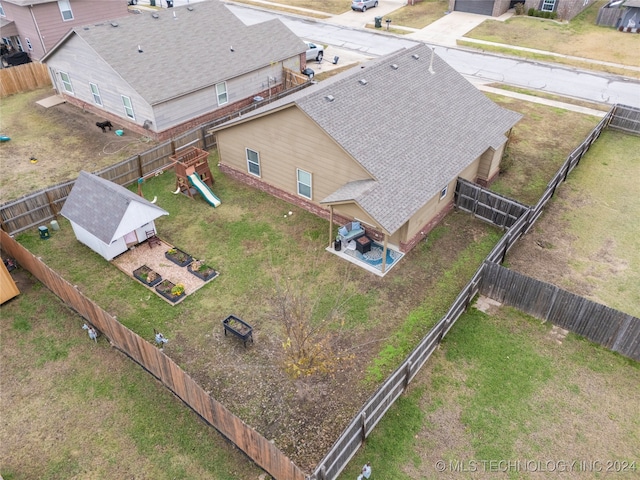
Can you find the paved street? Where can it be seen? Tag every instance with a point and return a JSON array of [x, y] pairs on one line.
[[347, 38]]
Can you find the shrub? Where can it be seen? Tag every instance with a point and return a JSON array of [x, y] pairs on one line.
[[519, 8], [531, 11], [554, 15], [546, 14]]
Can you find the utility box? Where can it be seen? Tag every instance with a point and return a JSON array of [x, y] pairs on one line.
[[44, 233], [378, 21]]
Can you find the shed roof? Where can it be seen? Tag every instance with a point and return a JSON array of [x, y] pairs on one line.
[[185, 49], [98, 206], [412, 130]]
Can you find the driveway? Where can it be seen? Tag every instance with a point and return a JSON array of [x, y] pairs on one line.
[[360, 19]]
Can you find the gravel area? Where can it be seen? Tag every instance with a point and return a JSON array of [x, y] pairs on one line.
[[154, 258]]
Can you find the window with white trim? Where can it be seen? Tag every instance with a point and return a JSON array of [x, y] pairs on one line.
[[65, 10], [253, 162], [2, 11], [443, 192], [66, 82], [96, 93], [548, 5], [128, 107], [29, 46], [221, 93], [304, 183]]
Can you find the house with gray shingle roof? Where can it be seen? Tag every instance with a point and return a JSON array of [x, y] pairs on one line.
[[161, 73], [382, 143], [107, 217]]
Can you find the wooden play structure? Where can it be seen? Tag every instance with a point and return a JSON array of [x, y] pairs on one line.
[[187, 162]]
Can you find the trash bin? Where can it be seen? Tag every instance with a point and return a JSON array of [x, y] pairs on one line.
[[337, 245], [169, 3], [152, 3], [44, 233], [378, 22], [54, 225]]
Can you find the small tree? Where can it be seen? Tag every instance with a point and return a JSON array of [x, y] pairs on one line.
[[310, 342]]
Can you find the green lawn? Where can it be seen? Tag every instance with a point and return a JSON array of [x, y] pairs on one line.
[[502, 388]]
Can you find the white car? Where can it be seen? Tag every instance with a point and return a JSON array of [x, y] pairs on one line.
[[314, 52]]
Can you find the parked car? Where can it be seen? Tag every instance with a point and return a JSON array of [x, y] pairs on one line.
[[362, 5], [314, 52]]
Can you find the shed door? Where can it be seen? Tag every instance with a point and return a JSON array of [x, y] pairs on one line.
[[482, 7]]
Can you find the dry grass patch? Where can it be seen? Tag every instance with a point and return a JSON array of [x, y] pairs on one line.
[[581, 37], [64, 139], [418, 15], [332, 7]]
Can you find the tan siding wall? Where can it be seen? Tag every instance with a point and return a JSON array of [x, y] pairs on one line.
[[182, 109], [485, 166], [111, 86], [301, 144]]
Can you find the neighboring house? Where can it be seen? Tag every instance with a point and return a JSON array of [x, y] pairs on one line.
[[382, 143], [35, 26], [630, 17], [566, 9], [107, 217], [162, 73]]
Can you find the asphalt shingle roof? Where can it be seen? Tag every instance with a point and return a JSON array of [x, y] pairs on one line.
[[187, 48], [412, 130], [98, 205]]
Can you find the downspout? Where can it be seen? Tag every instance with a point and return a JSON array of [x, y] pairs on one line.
[[330, 225], [384, 253], [33, 17]]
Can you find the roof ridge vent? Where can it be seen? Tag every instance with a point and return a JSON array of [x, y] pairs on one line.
[[362, 81], [330, 98], [190, 8], [155, 15], [415, 56], [114, 24], [394, 66]]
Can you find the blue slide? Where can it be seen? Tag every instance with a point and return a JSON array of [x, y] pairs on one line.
[[204, 190]]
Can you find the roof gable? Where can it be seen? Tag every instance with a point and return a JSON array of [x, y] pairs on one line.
[[220, 47], [99, 206], [413, 130]]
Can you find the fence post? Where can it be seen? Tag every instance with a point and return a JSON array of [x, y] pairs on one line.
[[407, 373], [363, 419]]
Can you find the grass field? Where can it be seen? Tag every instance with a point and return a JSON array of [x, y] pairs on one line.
[[249, 241], [502, 388]]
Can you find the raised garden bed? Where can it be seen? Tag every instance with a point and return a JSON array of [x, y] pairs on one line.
[[147, 276], [201, 270], [239, 328], [170, 290], [177, 256]]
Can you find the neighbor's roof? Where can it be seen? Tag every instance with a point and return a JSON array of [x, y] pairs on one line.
[[186, 48], [413, 131], [98, 206]]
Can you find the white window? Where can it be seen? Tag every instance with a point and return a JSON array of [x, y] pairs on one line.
[[128, 107], [253, 162], [29, 46], [2, 11], [443, 192], [221, 92], [66, 82], [96, 94], [548, 5], [304, 183], [65, 10]]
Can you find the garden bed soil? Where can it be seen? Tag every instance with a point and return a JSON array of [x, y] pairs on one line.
[[204, 273], [144, 274], [164, 288], [177, 256]]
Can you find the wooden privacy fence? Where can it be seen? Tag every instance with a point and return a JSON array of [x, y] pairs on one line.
[[23, 78], [44, 205], [610, 328], [626, 118], [268, 456], [487, 205], [258, 448]]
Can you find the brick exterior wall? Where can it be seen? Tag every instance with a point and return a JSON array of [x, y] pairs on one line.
[[178, 129], [323, 212]]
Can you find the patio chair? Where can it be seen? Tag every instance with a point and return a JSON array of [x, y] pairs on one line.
[[152, 238]]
